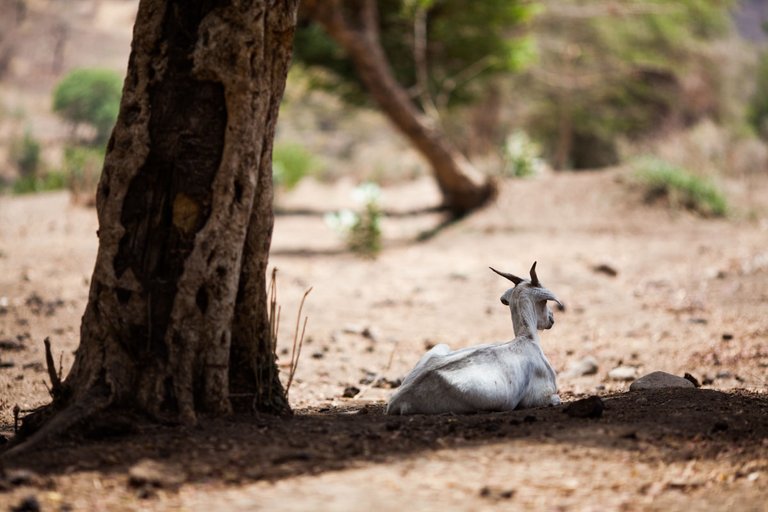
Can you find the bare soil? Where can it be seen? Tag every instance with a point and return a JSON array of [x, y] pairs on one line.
[[688, 295]]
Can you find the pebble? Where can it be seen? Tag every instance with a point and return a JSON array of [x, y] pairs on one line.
[[660, 380], [623, 373], [584, 366], [350, 392], [28, 504]]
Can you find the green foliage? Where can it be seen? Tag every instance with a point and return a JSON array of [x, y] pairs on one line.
[[290, 164], [362, 229], [466, 42], [89, 96], [619, 71], [32, 183], [521, 156], [758, 107], [25, 153], [680, 188], [82, 169]]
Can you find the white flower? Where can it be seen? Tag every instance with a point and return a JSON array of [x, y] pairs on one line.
[[341, 221], [366, 193]]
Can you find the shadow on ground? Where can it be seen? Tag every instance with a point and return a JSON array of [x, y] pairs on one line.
[[664, 425]]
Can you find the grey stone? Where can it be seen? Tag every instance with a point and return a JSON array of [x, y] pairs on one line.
[[660, 380], [623, 373], [584, 366]]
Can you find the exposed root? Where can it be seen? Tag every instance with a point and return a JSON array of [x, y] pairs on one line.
[[52, 421]]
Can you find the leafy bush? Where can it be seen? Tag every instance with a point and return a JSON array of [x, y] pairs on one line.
[[758, 107], [521, 156], [31, 183], [680, 188], [290, 164], [89, 96], [25, 153], [82, 169], [362, 229]]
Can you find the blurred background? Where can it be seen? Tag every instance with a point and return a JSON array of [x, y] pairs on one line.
[[678, 90]]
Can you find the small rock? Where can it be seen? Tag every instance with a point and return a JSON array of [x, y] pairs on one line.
[[623, 373], [591, 407], [727, 336], [350, 392], [585, 366], [385, 383], [698, 320], [19, 477], [606, 269], [693, 380], [149, 473], [317, 355], [28, 504], [11, 345], [660, 380], [7, 364], [495, 493], [723, 375]]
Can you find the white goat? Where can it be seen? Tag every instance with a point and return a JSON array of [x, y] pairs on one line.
[[494, 377]]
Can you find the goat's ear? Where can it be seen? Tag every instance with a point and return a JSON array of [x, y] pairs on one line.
[[504, 301], [544, 294], [511, 277]]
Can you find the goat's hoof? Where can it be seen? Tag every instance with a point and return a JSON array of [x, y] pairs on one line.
[[554, 400]]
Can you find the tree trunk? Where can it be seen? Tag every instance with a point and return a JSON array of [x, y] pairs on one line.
[[176, 322], [355, 28]]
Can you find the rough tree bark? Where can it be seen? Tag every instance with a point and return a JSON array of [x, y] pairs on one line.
[[176, 322], [354, 26]]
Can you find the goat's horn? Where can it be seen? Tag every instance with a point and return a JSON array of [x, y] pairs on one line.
[[534, 277], [511, 277]]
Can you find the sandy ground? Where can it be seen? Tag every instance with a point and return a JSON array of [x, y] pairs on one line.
[[689, 295]]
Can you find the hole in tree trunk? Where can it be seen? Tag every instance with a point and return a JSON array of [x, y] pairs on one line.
[[123, 295], [238, 191], [201, 299]]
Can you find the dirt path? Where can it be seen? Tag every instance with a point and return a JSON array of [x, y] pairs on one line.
[[689, 295]]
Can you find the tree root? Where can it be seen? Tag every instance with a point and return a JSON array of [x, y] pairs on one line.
[[55, 420]]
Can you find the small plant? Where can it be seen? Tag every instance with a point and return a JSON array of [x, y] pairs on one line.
[[82, 168], [25, 153], [362, 229], [92, 97], [680, 188], [522, 156], [290, 164], [48, 181]]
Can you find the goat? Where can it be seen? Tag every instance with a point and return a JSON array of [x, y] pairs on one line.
[[491, 377]]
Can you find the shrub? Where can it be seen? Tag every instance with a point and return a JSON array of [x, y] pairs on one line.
[[362, 229], [89, 96], [680, 188], [32, 183], [522, 156], [82, 169], [25, 153], [290, 164], [758, 106]]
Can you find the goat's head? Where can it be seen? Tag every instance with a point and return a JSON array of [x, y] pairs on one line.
[[531, 289]]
